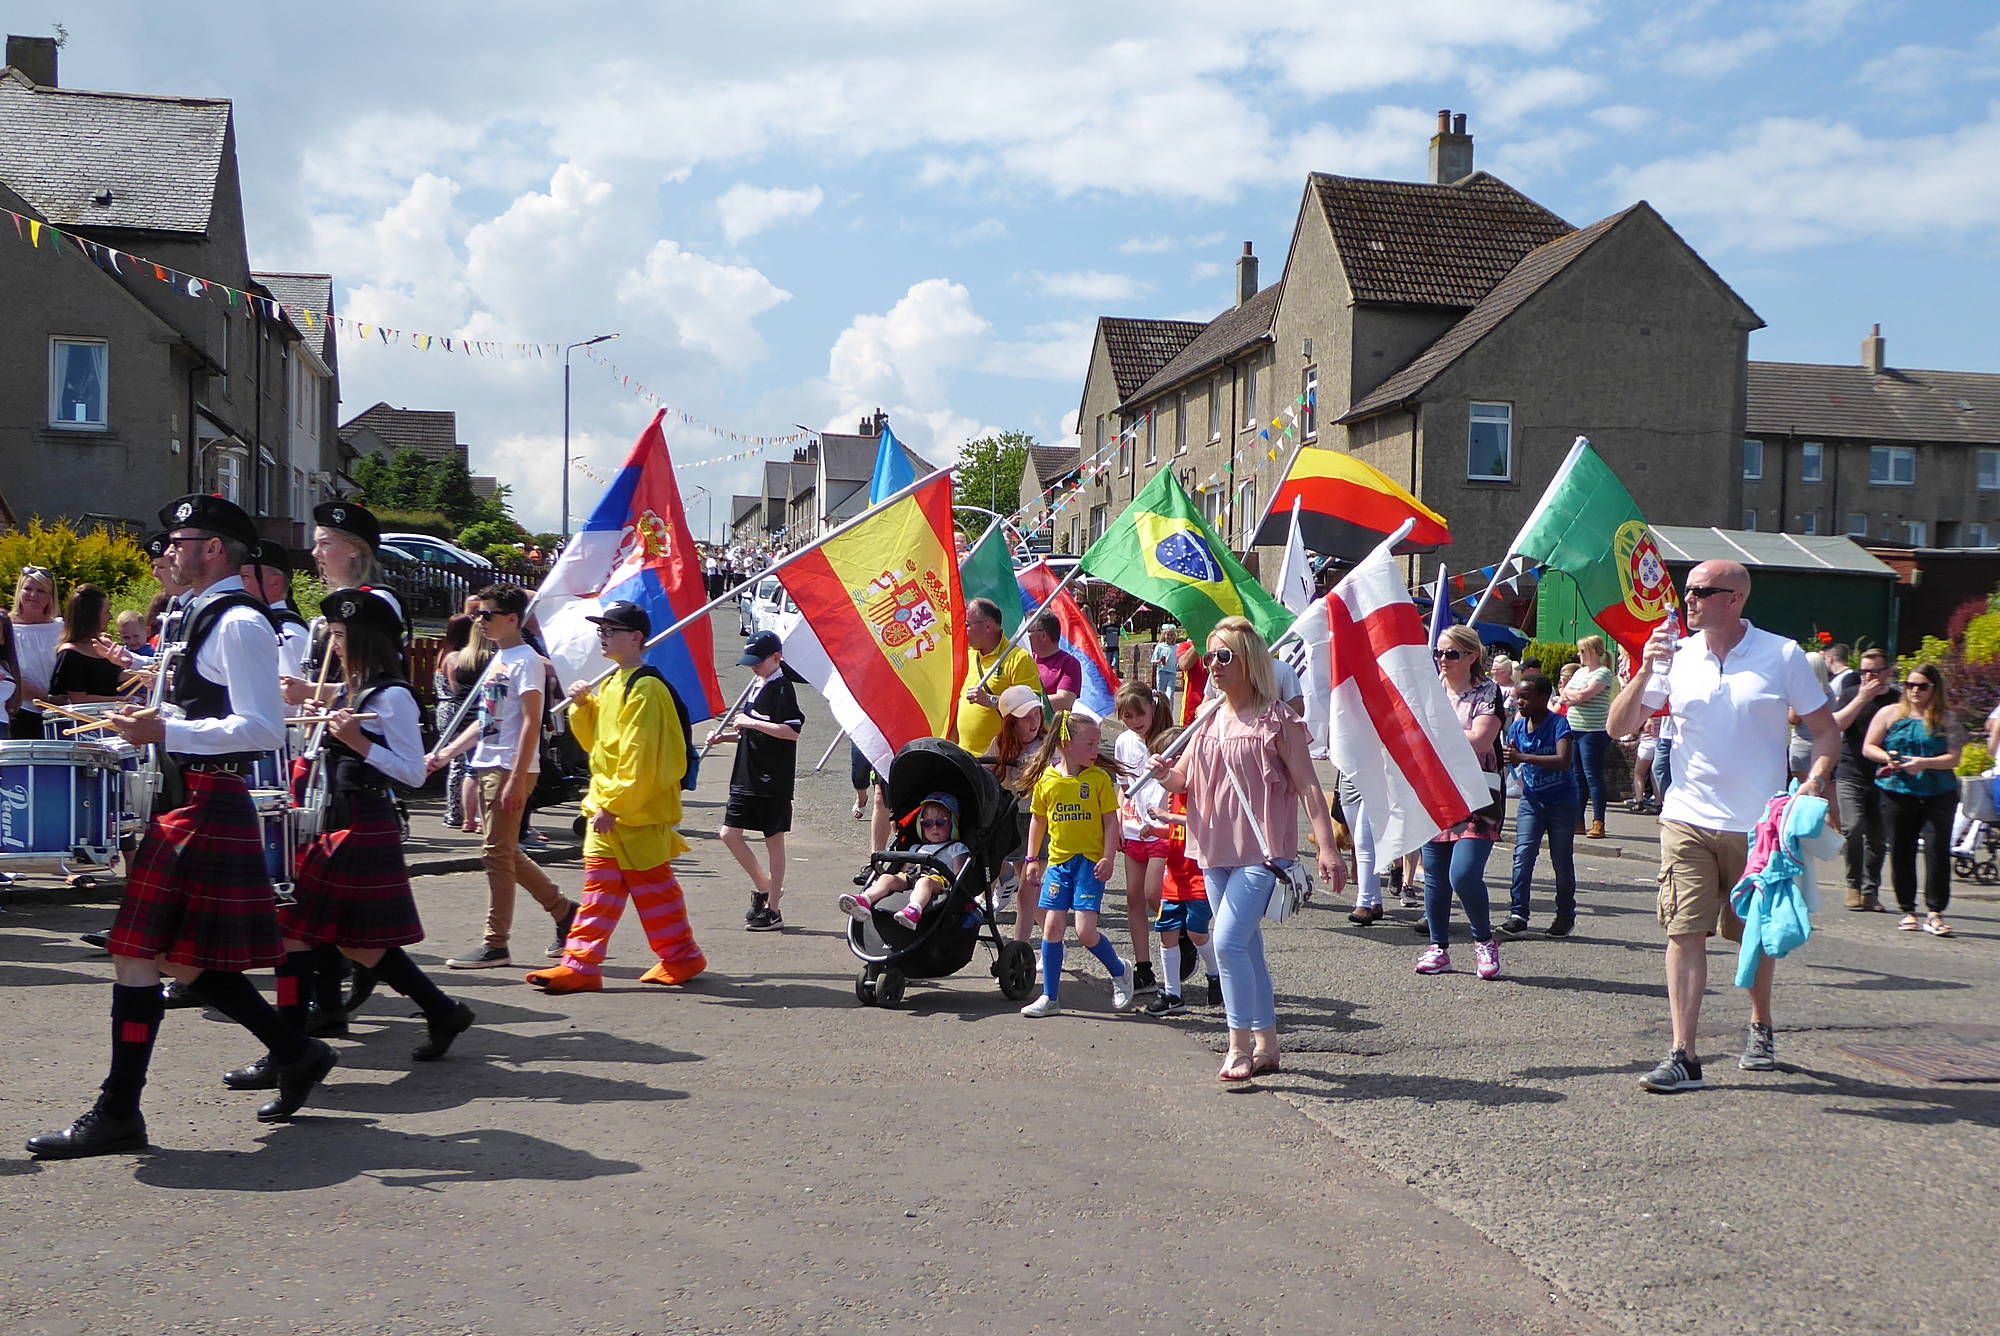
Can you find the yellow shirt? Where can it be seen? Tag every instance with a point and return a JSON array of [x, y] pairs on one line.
[[637, 759], [1074, 808], [978, 725]]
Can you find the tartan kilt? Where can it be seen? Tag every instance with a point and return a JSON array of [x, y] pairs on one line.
[[200, 891], [353, 888]]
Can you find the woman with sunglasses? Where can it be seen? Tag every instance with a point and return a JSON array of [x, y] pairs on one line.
[[1589, 695], [37, 632], [1916, 742], [1455, 862], [1251, 744]]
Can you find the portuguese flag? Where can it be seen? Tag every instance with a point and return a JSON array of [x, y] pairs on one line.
[[1587, 527], [1160, 551], [1347, 508]]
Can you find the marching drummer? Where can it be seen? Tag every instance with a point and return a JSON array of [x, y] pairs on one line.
[[268, 576], [353, 888], [199, 904], [346, 538]]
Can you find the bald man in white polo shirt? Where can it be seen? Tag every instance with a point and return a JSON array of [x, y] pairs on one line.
[[1728, 686]]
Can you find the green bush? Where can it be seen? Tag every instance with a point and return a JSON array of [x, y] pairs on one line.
[[486, 533], [417, 521], [1934, 649], [99, 556], [1982, 638], [1975, 759], [1553, 654]]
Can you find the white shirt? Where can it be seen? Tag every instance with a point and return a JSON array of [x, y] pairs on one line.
[[293, 638], [514, 674], [35, 651], [241, 652], [1132, 754], [1732, 729], [400, 753]]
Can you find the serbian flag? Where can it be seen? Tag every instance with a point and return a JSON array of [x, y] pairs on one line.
[[1390, 729], [636, 547], [881, 624], [1079, 637], [1346, 507]]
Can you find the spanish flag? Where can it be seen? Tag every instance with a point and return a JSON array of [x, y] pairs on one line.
[[1346, 508], [881, 628]]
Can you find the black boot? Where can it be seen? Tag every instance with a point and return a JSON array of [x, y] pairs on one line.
[[255, 1076], [95, 1133], [296, 1080], [443, 1029]]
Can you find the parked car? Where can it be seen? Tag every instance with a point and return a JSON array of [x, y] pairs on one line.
[[768, 608], [437, 552]]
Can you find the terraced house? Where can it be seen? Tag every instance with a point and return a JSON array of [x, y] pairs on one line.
[[1453, 333]]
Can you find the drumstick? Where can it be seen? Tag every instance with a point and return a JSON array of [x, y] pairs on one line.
[[326, 718], [50, 707], [85, 728]]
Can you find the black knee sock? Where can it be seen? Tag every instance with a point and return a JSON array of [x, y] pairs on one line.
[[329, 971], [295, 977], [237, 998], [401, 973], [136, 1012]]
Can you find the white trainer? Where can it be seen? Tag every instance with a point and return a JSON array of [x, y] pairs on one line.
[[1042, 1006], [1121, 991]]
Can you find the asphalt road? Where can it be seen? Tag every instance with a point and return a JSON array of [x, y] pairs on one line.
[[758, 1153]]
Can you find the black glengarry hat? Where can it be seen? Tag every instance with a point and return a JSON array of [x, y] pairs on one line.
[[348, 517], [364, 606], [212, 514]]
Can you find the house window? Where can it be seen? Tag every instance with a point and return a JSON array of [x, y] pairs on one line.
[[1309, 413], [229, 476], [1152, 443], [1857, 526], [1750, 520], [1920, 532], [1989, 470], [1215, 408], [1097, 439], [1809, 522], [1975, 536], [77, 378], [1811, 461], [1489, 445], [1180, 423], [1892, 466], [225, 343], [1753, 461], [1249, 396], [1098, 516], [1125, 451], [1246, 510], [267, 466]]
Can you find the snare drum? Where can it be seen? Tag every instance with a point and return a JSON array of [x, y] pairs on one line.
[[271, 770], [274, 813], [59, 804]]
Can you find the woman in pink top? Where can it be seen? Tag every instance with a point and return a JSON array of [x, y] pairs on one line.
[[1256, 738]]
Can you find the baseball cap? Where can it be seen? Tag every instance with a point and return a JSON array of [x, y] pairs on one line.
[[759, 648], [625, 617], [1019, 700]]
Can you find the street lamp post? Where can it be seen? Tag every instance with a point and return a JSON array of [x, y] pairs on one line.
[[601, 338], [707, 513]]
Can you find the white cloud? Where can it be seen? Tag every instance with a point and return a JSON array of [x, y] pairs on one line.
[[713, 306], [1202, 269], [986, 229], [902, 360], [1787, 22], [1506, 99], [1058, 351], [1917, 71], [1088, 285], [747, 210], [1622, 117]]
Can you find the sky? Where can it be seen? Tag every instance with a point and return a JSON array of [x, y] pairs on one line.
[[794, 214]]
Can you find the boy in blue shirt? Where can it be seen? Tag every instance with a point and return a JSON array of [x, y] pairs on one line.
[[1539, 746]]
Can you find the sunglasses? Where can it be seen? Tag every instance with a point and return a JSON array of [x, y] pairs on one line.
[[43, 571], [935, 821], [1450, 655], [1916, 686], [1708, 591], [1220, 657], [488, 614]]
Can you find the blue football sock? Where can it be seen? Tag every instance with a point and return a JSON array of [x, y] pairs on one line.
[[1052, 956], [1108, 958]]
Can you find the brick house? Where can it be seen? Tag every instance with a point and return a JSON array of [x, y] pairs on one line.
[[1454, 334], [144, 389]]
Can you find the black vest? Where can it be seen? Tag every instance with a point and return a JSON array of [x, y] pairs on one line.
[[197, 697], [347, 769]]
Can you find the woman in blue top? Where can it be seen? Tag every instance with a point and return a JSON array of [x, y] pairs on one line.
[[1916, 743], [1538, 745]]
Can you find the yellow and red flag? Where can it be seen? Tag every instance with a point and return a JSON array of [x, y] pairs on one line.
[[881, 627], [1347, 507]]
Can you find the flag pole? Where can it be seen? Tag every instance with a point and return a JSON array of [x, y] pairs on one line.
[[741, 701], [1028, 624], [828, 753], [1576, 449], [776, 566]]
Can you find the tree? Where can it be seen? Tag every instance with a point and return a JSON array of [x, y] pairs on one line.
[[989, 476], [451, 491]]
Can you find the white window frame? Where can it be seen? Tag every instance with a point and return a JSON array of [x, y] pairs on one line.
[[267, 465], [229, 475], [1891, 456], [1246, 509], [1809, 522], [1857, 531], [1812, 462], [1753, 460], [1215, 408], [1180, 423], [1504, 416], [1975, 534], [1988, 471], [1249, 396], [1152, 439], [1309, 411], [1917, 532], [1124, 451], [57, 342], [1750, 519]]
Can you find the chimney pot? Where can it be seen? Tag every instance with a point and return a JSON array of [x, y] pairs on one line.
[[1246, 275], [1451, 150], [1458, 124], [1444, 122], [34, 57]]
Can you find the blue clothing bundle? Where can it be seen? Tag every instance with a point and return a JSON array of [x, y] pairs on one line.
[[1777, 894]]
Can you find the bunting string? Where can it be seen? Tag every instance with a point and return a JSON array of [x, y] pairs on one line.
[[757, 444]]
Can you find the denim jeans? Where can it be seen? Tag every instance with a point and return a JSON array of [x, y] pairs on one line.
[[1663, 770], [1457, 867], [1238, 896], [1533, 819], [1590, 749]]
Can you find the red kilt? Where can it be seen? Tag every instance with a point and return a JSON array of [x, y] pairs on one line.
[[200, 890], [353, 889]]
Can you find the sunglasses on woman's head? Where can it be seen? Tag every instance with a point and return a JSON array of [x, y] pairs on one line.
[[1220, 657]]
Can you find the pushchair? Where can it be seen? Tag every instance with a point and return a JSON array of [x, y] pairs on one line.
[[1975, 849], [944, 940]]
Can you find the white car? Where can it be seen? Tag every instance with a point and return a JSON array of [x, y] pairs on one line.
[[437, 552], [768, 608]]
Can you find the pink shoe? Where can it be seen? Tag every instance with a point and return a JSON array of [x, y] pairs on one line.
[[1434, 960], [856, 908], [1487, 953], [908, 917]]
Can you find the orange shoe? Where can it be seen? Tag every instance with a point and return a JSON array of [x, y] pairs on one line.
[[674, 971], [563, 979]]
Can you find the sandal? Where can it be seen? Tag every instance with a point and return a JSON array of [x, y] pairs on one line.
[[1260, 1063], [1237, 1067], [857, 809], [1937, 927], [1909, 924]]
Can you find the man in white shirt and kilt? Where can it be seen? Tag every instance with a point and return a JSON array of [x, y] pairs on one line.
[[199, 905]]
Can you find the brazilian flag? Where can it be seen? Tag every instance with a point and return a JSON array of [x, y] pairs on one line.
[[1161, 551]]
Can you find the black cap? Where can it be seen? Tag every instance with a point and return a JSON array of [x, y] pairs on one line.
[[276, 556], [156, 545], [759, 648], [223, 518], [348, 517], [625, 616], [362, 605]]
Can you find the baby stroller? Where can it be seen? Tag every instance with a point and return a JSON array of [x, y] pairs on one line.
[[945, 938], [1975, 846]]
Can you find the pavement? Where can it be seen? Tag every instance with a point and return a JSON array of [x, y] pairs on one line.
[[758, 1153]]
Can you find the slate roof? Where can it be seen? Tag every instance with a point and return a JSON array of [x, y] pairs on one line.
[[160, 157], [1139, 348], [1416, 243], [1050, 462], [431, 433], [743, 507], [1220, 339], [852, 458], [1852, 402], [312, 292]]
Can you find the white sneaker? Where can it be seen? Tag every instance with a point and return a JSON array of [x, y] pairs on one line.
[[1121, 991], [1042, 1006]]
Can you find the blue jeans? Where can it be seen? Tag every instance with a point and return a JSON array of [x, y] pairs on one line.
[[1663, 770], [1238, 896], [1533, 819], [1457, 867], [1590, 749]]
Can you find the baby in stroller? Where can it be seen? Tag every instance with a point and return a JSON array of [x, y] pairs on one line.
[[938, 837]]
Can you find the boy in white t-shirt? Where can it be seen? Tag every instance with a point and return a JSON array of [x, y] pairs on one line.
[[505, 740], [937, 836]]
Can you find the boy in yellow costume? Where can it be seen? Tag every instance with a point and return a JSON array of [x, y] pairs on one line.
[[638, 754]]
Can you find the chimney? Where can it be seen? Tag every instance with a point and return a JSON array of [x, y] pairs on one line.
[[34, 57], [1872, 350], [1246, 275], [1451, 150]]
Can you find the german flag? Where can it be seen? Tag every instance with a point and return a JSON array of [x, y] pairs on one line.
[[1346, 508]]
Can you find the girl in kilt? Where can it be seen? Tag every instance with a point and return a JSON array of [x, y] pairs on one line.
[[353, 889]]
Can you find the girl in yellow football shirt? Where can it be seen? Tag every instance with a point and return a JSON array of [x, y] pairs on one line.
[[1075, 804]]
